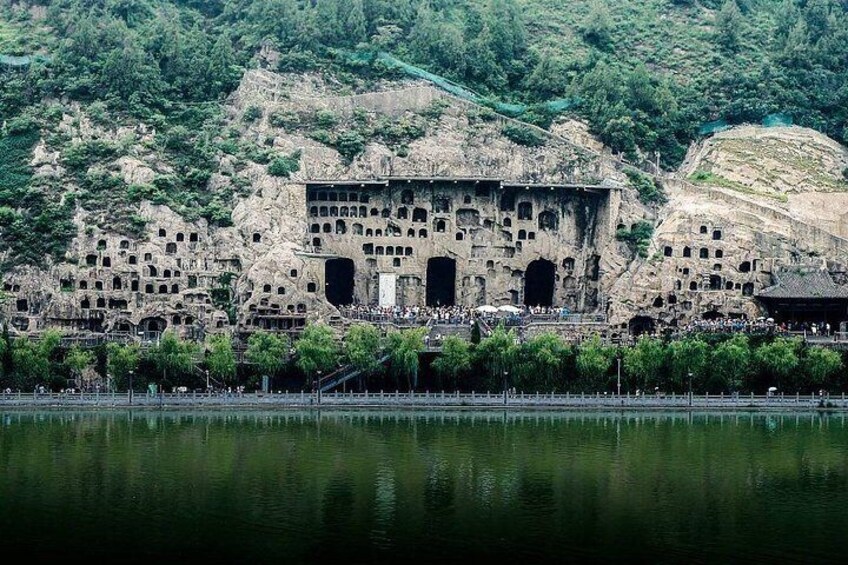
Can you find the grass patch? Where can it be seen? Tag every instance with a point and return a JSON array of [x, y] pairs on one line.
[[711, 179]]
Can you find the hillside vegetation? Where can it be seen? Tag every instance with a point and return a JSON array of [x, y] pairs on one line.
[[645, 74]]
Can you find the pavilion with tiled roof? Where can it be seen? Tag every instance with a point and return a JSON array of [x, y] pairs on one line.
[[806, 295]]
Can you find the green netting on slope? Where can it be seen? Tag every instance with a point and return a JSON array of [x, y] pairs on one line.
[[777, 120], [713, 127], [441, 82], [456, 89], [15, 61], [772, 120], [20, 60], [560, 104]]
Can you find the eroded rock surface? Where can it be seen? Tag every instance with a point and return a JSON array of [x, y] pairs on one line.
[[461, 190]]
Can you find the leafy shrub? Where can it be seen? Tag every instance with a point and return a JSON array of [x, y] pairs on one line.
[[229, 147], [21, 125], [325, 119], [349, 144], [139, 192], [251, 114], [649, 191], [7, 216], [435, 109], [322, 136], [401, 131], [196, 179], [16, 149], [523, 135], [80, 156], [285, 165], [217, 214], [639, 236], [284, 119], [137, 224]]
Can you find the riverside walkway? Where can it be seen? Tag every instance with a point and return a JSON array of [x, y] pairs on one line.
[[396, 399]]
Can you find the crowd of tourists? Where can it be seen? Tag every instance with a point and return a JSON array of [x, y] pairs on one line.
[[732, 325], [809, 328], [410, 315], [759, 326], [454, 315]]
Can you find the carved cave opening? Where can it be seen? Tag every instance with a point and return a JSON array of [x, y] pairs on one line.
[[338, 274], [441, 281], [639, 325], [539, 283]]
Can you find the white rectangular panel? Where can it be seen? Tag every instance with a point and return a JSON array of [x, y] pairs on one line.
[[388, 289]]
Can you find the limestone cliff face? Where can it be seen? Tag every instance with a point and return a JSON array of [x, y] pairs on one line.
[[266, 272], [493, 206], [795, 169], [746, 203]]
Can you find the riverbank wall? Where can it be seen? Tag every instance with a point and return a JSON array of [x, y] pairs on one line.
[[424, 400]]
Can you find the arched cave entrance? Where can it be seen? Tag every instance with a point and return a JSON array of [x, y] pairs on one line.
[[639, 325], [152, 328], [539, 283], [338, 275], [441, 281]]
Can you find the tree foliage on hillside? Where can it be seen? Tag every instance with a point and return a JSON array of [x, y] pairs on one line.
[[170, 63], [157, 58]]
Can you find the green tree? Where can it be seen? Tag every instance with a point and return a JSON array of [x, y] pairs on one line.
[[541, 362], [220, 358], [31, 360], [274, 19], [644, 362], [172, 356], [330, 26], [404, 350], [130, 75], [688, 355], [497, 354], [5, 351], [453, 360], [362, 346], [593, 361], [355, 23], [817, 15], [778, 360], [548, 79], [729, 25], [120, 360], [316, 351], [77, 360], [268, 352], [475, 333], [731, 365], [821, 364], [223, 71], [597, 27]]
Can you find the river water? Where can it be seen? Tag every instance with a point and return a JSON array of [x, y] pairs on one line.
[[428, 487]]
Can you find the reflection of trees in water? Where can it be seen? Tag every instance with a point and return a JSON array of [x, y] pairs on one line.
[[348, 484]]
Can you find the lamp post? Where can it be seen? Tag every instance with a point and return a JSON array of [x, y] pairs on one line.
[[131, 386], [618, 382], [505, 374], [319, 387], [690, 388], [207, 380]]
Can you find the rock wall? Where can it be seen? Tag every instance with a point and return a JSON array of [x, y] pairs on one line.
[[462, 191], [267, 271], [710, 255]]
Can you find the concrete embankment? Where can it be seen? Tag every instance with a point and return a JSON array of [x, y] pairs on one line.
[[426, 400]]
